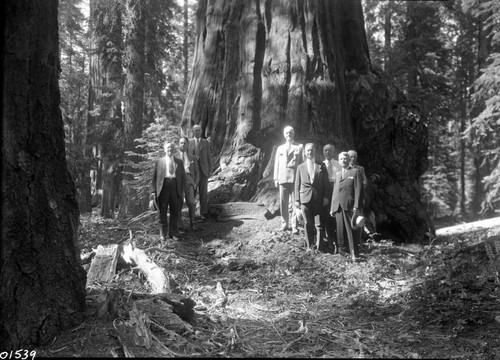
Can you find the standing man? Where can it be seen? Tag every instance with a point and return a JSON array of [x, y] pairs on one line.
[[346, 200], [200, 149], [168, 186], [331, 167], [288, 156], [192, 178], [309, 195], [353, 156], [365, 203]]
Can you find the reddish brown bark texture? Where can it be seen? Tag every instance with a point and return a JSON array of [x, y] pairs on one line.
[[261, 65], [42, 282]]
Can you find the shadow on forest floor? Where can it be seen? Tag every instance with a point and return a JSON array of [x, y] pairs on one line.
[[258, 293]]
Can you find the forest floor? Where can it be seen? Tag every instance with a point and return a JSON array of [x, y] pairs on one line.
[[258, 293]]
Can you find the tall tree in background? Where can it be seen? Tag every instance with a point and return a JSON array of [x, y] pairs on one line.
[[73, 83], [259, 66], [134, 66], [105, 98], [42, 282], [485, 126]]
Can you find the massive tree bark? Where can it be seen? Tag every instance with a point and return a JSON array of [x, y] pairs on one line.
[[42, 281], [260, 65]]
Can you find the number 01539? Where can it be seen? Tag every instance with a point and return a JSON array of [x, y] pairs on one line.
[[20, 354]]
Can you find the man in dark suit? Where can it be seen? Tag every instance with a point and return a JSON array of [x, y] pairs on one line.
[[331, 167], [310, 182], [200, 149], [346, 201], [192, 178], [169, 178]]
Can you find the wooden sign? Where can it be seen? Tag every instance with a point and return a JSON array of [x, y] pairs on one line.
[[238, 210]]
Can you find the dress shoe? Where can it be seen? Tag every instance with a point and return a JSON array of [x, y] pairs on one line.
[[284, 227], [343, 252], [295, 231]]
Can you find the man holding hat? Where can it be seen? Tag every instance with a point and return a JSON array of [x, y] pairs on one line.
[[346, 202]]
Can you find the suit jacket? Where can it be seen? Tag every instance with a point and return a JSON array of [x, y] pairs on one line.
[[192, 176], [363, 176], [286, 164], [307, 191], [160, 172], [205, 160], [347, 191], [331, 178]]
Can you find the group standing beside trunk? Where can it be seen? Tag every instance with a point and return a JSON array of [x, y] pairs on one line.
[[329, 195]]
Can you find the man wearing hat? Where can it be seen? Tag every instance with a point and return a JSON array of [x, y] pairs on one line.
[[169, 178], [346, 202]]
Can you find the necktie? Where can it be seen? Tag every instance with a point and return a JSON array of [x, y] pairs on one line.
[[186, 162], [343, 173], [171, 169], [197, 142]]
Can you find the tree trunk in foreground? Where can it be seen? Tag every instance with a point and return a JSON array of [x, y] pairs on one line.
[[261, 65], [42, 282]]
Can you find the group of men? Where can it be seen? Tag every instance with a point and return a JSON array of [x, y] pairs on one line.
[[181, 175], [329, 196]]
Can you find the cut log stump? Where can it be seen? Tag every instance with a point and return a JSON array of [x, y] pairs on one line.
[[103, 266]]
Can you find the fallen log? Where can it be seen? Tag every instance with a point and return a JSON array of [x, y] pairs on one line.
[[103, 266], [493, 224], [155, 275]]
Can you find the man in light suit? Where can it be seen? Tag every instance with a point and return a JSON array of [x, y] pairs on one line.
[[288, 157], [168, 187], [200, 149], [331, 167], [310, 181], [192, 178], [346, 201], [353, 159]]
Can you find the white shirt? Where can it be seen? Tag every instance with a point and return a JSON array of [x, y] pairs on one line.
[[170, 172], [310, 169]]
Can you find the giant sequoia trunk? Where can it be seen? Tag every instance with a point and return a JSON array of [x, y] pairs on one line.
[[260, 65], [42, 282]]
